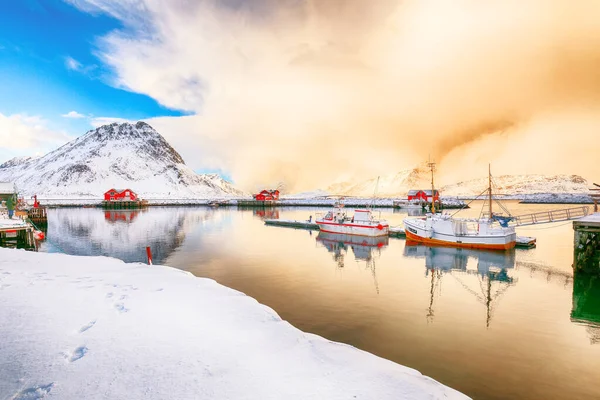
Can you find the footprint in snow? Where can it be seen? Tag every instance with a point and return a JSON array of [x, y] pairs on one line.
[[120, 307], [34, 392], [87, 326], [77, 354], [109, 295]]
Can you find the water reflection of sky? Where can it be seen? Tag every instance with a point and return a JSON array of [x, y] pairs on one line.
[[493, 325]]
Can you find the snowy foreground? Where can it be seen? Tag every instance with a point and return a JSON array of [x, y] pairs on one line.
[[97, 328]]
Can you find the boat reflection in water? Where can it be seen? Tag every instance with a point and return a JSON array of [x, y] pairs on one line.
[[364, 248], [492, 271]]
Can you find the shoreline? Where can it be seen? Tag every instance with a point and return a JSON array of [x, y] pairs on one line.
[[449, 202], [141, 331]]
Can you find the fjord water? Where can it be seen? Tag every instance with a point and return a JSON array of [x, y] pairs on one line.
[[494, 325]]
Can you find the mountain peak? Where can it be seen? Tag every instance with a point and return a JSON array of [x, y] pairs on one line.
[[132, 155]]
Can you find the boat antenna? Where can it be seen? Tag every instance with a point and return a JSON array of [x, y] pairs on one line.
[[431, 166], [490, 188]]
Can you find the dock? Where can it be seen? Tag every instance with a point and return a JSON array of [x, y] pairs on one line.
[[293, 224], [586, 254], [16, 233], [523, 242], [120, 205]]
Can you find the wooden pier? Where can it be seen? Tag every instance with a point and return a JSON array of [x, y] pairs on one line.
[[257, 203], [523, 242], [38, 215], [121, 205], [16, 233], [586, 255]]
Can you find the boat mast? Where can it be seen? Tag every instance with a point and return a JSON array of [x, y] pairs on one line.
[[490, 188], [431, 166]]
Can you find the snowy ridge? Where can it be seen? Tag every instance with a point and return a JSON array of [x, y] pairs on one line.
[[520, 185], [395, 185], [98, 328], [16, 161], [530, 188], [126, 155]]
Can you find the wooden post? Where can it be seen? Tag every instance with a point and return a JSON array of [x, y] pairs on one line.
[[149, 255]]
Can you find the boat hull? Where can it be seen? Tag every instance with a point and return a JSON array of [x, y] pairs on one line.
[[354, 229], [496, 242]]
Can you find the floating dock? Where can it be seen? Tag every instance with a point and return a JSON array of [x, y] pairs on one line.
[[292, 224], [523, 242]]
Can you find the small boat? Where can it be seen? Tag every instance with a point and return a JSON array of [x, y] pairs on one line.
[[489, 231], [362, 223], [408, 204]]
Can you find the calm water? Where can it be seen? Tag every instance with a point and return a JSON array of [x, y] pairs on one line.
[[492, 325]]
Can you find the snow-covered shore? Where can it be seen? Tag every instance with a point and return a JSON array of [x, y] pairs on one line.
[[98, 328]]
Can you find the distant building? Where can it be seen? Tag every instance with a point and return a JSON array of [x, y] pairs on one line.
[[267, 195], [436, 196], [7, 189], [423, 195], [120, 195]]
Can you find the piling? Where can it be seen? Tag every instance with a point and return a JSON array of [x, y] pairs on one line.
[[149, 255], [586, 256]]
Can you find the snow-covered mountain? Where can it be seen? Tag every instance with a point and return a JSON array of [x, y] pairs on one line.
[[13, 162], [133, 156], [516, 185], [394, 185]]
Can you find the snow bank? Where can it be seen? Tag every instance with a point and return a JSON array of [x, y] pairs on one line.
[[97, 328]]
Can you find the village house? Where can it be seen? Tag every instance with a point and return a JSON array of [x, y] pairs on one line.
[[267, 195], [120, 195], [423, 195]]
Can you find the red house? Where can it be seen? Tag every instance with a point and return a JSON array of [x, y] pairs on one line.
[[267, 195], [120, 195], [423, 195]]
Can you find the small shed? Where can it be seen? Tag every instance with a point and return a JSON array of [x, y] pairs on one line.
[[120, 195]]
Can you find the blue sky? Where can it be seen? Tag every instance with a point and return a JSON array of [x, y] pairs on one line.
[[48, 67]]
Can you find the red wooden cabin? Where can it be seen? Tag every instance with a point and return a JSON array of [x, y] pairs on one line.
[[120, 195], [267, 195], [423, 195]]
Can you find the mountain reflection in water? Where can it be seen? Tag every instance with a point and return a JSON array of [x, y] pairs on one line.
[[123, 234]]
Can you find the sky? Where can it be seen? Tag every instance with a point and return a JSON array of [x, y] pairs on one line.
[[312, 92]]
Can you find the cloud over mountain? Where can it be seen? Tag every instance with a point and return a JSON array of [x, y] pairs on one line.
[[306, 92]]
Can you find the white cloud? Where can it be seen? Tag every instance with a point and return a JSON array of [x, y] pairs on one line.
[[304, 92], [23, 135], [72, 64], [73, 114]]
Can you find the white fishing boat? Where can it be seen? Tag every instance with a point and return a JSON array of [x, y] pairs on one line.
[[361, 223], [489, 231]]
